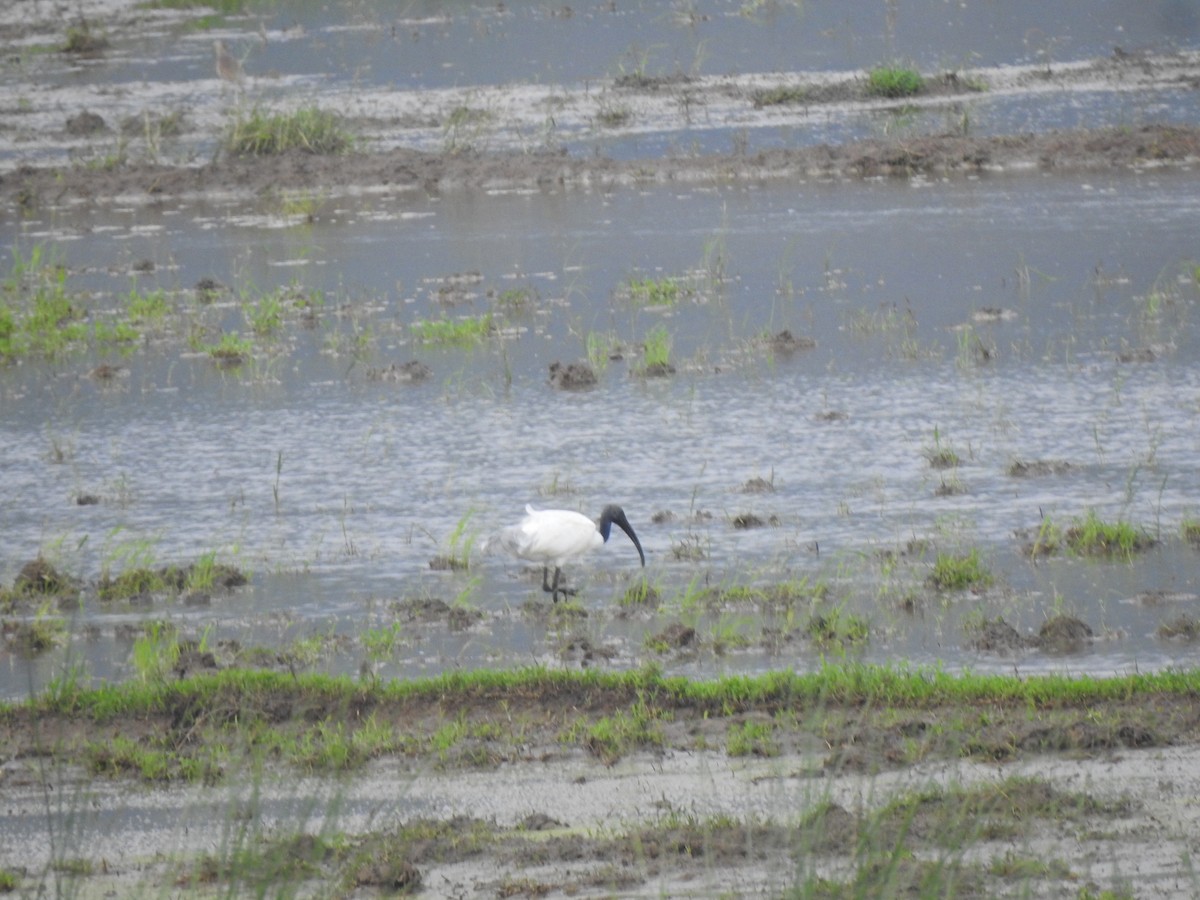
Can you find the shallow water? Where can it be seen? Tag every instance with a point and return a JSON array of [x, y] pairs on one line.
[[1015, 316], [374, 477]]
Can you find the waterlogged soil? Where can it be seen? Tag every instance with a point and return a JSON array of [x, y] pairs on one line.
[[389, 161], [401, 169], [554, 787]]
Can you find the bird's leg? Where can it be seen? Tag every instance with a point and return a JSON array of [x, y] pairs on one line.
[[556, 590], [545, 582]]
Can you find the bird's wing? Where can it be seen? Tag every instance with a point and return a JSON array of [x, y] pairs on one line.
[[551, 535]]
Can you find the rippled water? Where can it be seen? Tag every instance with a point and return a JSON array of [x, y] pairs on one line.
[[889, 278]]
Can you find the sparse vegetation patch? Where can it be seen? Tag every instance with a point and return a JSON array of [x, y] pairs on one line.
[[894, 82], [954, 572], [308, 129]]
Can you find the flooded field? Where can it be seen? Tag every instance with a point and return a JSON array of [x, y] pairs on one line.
[[883, 381], [1009, 319]]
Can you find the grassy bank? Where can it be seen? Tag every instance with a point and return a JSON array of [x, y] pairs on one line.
[[794, 737], [202, 726]]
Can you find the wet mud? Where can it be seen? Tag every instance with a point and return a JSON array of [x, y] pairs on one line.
[[764, 791], [400, 170]]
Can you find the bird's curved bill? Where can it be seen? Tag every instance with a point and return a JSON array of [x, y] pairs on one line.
[[628, 529]]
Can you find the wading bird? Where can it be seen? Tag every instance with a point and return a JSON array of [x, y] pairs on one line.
[[554, 536], [228, 67]]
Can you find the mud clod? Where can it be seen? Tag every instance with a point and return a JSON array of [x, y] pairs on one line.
[[656, 370], [85, 123], [40, 578], [192, 660], [676, 635], [572, 376], [997, 636], [411, 371], [208, 289], [1064, 634], [1037, 468], [758, 485], [750, 520], [786, 342], [540, 822], [1181, 628], [400, 876]]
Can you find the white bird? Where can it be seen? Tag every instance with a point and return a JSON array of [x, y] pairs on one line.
[[554, 536]]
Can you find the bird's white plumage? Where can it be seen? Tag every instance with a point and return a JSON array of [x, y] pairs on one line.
[[550, 536]]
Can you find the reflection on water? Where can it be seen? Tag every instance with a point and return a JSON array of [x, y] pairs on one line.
[[1007, 318]]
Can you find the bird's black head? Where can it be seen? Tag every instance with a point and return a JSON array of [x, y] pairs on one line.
[[614, 514]]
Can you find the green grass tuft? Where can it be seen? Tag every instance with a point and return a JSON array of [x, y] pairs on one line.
[[779, 96], [837, 628], [655, 291], [656, 351], [892, 81], [752, 739], [37, 317], [465, 331], [308, 129], [956, 572], [1092, 536]]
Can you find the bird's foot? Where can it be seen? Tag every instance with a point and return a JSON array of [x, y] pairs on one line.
[[565, 591]]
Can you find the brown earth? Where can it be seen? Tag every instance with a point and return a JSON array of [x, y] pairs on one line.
[[1109, 148], [541, 797]]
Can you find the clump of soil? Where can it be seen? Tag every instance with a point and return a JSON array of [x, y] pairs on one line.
[[432, 609], [951, 488], [581, 651], [28, 638], [1060, 634], [38, 577], [676, 636], [656, 370], [993, 314], [831, 415], [444, 563], [786, 342], [539, 821], [390, 875], [192, 660], [758, 485], [106, 372], [997, 636], [572, 376], [83, 41], [143, 582], [85, 123], [208, 289], [411, 371], [1181, 628], [1140, 354], [1063, 634], [750, 520], [1037, 468]]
